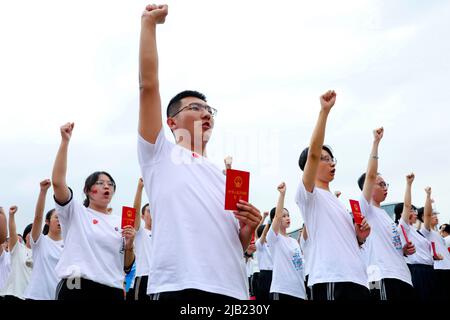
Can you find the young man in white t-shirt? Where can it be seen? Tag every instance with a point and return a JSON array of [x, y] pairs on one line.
[[198, 246], [337, 268], [442, 260], [5, 263], [388, 273]]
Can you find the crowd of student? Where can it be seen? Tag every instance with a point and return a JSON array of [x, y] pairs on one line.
[[188, 247]]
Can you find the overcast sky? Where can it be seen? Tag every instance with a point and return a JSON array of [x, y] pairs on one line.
[[262, 64]]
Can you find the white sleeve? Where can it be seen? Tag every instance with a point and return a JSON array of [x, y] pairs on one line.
[[365, 206], [35, 245], [148, 153], [272, 237], [303, 198], [65, 209], [426, 233]]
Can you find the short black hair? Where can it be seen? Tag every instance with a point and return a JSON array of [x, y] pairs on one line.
[[420, 212], [260, 230], [446, 227], [26, 231], [362, 179], [273, 211], [143, 208], [398, 209], [304, 156], [175, 103]]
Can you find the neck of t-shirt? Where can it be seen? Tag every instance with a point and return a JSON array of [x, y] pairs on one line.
[[103, 210], [376, 204], [55, 237], [322, 185], [198, 148]]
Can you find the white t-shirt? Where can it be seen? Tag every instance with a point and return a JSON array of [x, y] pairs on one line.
[[263, 255], [21, 266], [441, 248], [143, 243], [43, 281], [383, 246], [93, 245], [195, 240], [423, 253], [334, 254], [5, 268], [287, 276], [304, 245], [447, 241]]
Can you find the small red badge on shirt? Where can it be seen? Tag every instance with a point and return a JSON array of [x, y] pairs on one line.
[[95, 221], [356, 209], [236, 188]]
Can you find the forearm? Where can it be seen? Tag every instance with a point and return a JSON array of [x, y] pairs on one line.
[[278, 214], [137, 206], [38, 215], [3, 231], [407, 203], [427, 213], [148, 56], [315, 150], [60, 166], [245, 237], [129, 259], [13, 238], [371, 172], [264, 233]]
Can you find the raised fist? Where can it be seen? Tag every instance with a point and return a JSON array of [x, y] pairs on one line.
[[327, 100], [66, 131], [378, 134], [410, 178], [428, 190], [155, 13], [228, 162], [282, 188], [13, 210], [45, 184]]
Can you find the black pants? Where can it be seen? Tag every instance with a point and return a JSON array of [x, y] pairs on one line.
[[191, 295], [284, 297], [265, 280], [307, 289], [422, 276], [139, 292], [442, 282], [87, 290], [339, 291], [392, 290], [253, 284]]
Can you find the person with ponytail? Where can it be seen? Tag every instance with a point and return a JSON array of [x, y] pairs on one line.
[[97, 252], [46, 250]]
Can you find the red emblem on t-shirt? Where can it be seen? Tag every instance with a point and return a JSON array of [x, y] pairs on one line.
[[195, 155], [95, 221]]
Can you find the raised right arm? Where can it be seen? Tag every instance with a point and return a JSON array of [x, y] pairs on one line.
[[60, 188], [137, 204], [3, 232], [372, 166], [327, 101], [276, 223], [36, 229], [150, 117], [407, 200], [13, 238], [427, 210]]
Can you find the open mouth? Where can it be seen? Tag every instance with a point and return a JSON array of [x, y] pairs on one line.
[[106, 193], [333, 171], [206, 126]]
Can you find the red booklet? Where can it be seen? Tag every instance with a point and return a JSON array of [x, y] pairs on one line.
[[236, 188], [356, 209], [433, 245], [128, 216], [404, 234]]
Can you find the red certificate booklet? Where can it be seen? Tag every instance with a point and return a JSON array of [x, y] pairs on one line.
[[433, 245], [356, 209], [236, 188], [128, 216]]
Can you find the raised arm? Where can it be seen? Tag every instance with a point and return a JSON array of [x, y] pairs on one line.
[[137, 203], [60, 188], [407, 200], [427, 210], [3, 232], [264, 233], [36, 229], [13, 238], [327, 101], [150, 118], [276, 223], [265, 214], [372, 166]]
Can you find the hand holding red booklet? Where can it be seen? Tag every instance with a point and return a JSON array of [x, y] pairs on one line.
[[404, 234], [433, 245], [236, 188], [128, 216], [356, 210]]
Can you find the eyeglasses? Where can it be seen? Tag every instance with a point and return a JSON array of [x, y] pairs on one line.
[[101, 183], [383, 185], [198, 107], [328, 159]]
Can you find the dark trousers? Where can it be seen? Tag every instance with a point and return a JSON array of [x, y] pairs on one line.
[[392, 290], [191, 295], [339, 291], [87, 290], [284, 297], [442, 282], [422, 276], [139, 292], [265, 280]]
